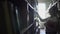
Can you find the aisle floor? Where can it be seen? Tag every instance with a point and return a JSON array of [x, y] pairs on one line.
[[42, 31]]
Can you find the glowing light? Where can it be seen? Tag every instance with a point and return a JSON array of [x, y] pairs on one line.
[[42, 11]]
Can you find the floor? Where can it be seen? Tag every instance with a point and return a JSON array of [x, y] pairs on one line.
[[42, 31]]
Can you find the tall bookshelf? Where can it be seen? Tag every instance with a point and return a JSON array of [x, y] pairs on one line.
[[21, 16]]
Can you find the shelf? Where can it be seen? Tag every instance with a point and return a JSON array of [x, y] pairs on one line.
[[24, 30], [52, 5], [30, 5], [36, 27]]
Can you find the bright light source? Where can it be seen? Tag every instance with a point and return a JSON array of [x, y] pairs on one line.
[[42, 11]]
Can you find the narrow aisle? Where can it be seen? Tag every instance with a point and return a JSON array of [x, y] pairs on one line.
[[42, 31]]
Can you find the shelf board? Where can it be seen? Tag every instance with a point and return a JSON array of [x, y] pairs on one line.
[[52, 5], [24, 30], [36, 27], [30, 5]]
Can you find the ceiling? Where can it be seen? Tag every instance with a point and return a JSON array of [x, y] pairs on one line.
[[45, 0]]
